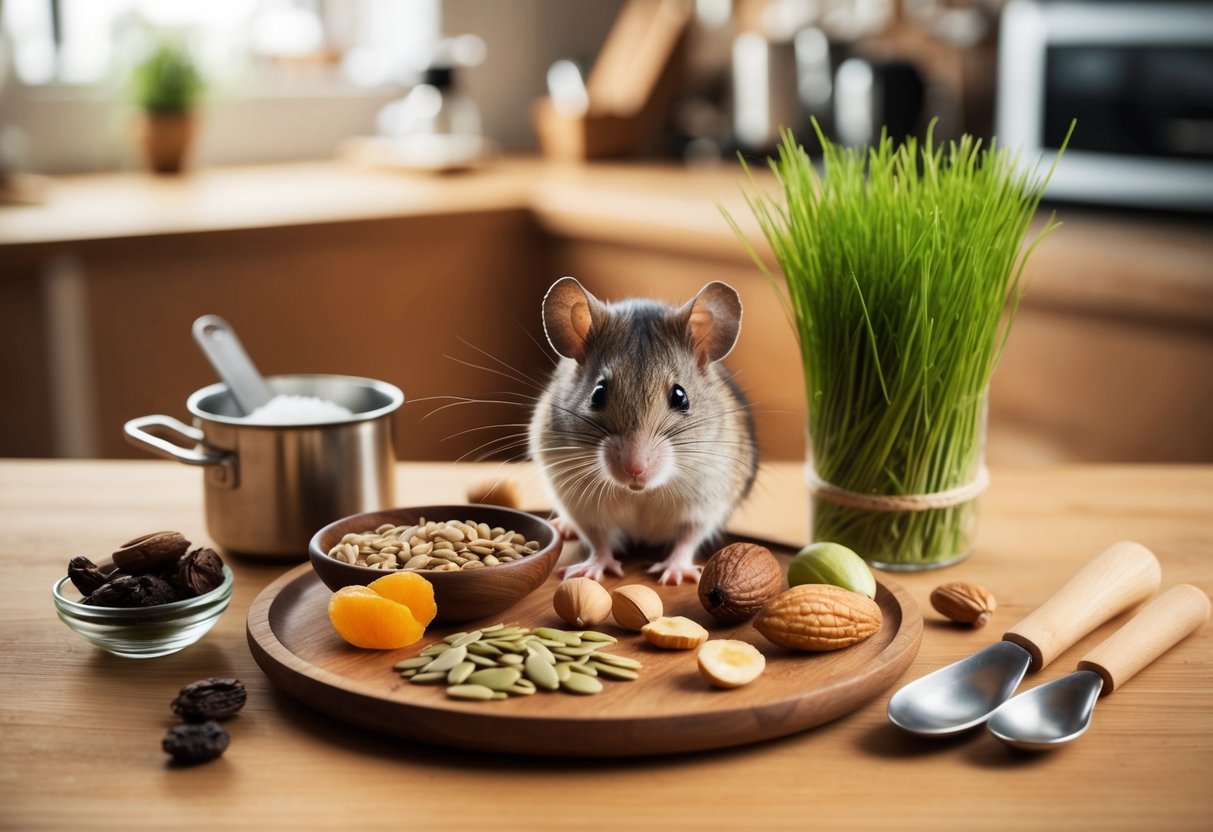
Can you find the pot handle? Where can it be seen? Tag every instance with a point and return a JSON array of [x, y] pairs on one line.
[[143, 432]]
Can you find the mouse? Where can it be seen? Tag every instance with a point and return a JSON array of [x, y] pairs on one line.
[[641, 435]]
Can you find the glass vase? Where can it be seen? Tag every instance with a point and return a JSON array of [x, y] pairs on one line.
[[899, 529]]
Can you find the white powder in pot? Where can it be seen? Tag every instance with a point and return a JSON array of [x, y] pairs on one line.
[[298, 410]]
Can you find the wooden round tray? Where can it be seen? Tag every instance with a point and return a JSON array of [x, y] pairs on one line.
[[669, 709]]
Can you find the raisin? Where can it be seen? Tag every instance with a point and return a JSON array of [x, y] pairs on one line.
[[200, 571], [85, 575], [133, 591], [193, 744], [210, 699]]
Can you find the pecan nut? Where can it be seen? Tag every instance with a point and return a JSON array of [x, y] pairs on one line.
[[965, 603], [150, 552]]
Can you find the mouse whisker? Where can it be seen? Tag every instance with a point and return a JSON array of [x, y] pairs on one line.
[[514, 373]]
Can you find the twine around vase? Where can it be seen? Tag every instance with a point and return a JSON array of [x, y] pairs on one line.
[[896, 502]]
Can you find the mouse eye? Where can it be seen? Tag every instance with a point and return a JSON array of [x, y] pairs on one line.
[[598, 397], [678, 399]]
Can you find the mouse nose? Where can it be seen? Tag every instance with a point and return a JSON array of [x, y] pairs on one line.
[[633, 467]]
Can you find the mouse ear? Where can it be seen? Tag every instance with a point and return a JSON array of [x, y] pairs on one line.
[[713, 320], [569, 313]]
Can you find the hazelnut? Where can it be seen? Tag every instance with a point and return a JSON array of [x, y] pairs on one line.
[[635, 605], [582, 602]]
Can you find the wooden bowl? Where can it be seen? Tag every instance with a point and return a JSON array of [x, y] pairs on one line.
[[461, 596]]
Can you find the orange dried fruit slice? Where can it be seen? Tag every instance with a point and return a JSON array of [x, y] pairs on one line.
[[410, 589], [365, 618]]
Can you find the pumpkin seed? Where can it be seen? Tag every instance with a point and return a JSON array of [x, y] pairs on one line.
[[447, 660], [413, 663], [542, 673], [518, 690], [429, 677], [435, 649], [569, 639], [481, 661], [537, 648], [408, 674], [563, 671], [459, 673], [617, 661], [496, 678], [579, 683], [612, 672], [509, 646], [510, 659], [469, 692], [588, 670], [467, 639], [575, 652], [590, 635], [494, 628], [483, 648], [454, 637]]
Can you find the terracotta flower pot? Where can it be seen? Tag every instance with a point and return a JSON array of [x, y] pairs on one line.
[[165, 139]]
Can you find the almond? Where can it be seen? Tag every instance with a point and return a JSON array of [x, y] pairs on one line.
[[965, 603], [818, 617]]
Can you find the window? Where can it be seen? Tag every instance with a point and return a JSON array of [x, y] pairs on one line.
[[361, 42]]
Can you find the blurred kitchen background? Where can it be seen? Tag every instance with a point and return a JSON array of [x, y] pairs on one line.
[[386, 188]]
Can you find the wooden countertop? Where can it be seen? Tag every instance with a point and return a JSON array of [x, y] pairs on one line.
[[81, 729]]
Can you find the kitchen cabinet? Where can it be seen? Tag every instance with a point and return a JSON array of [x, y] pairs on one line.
[[434, 284]]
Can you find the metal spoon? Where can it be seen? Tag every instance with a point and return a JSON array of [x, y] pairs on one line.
[[226, 354], [965, 693], [1059, 711]]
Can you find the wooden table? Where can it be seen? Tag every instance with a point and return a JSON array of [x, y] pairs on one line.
[[80, 729]]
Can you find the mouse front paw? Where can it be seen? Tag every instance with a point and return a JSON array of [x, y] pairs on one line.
[[594, 568], [674, 574], [564, 527]]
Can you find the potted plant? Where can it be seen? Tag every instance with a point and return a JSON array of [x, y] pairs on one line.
[[166, 86], [902, 271]]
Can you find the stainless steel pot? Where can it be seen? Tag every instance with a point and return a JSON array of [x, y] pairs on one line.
[[270, 487]]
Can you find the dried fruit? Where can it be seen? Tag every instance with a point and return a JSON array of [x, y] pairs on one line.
[[818, 617], [210, 699], [727, 663], [675, 633], [193, 744], [200, 571], [133, 591], [150, 552], [582, 602], [965, 603], [85, 575], [410, 589], [635, 605], [365, 618], [831, 563], [738, 580]]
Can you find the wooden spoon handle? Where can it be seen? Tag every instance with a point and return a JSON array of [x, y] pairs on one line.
[[1161, 624], [1121, 576]]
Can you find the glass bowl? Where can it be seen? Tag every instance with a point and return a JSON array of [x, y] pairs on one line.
[[144, 632]]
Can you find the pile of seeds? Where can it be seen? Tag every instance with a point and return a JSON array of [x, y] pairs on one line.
[[437, 547], [499, 661]]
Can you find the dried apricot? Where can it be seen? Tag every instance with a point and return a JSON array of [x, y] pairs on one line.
[[365, 618], [410, 589]]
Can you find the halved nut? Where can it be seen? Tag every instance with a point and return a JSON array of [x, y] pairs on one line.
[[674, 633], [726, 663]]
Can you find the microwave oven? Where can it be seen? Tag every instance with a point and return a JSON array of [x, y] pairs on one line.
[[1137, 77]]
